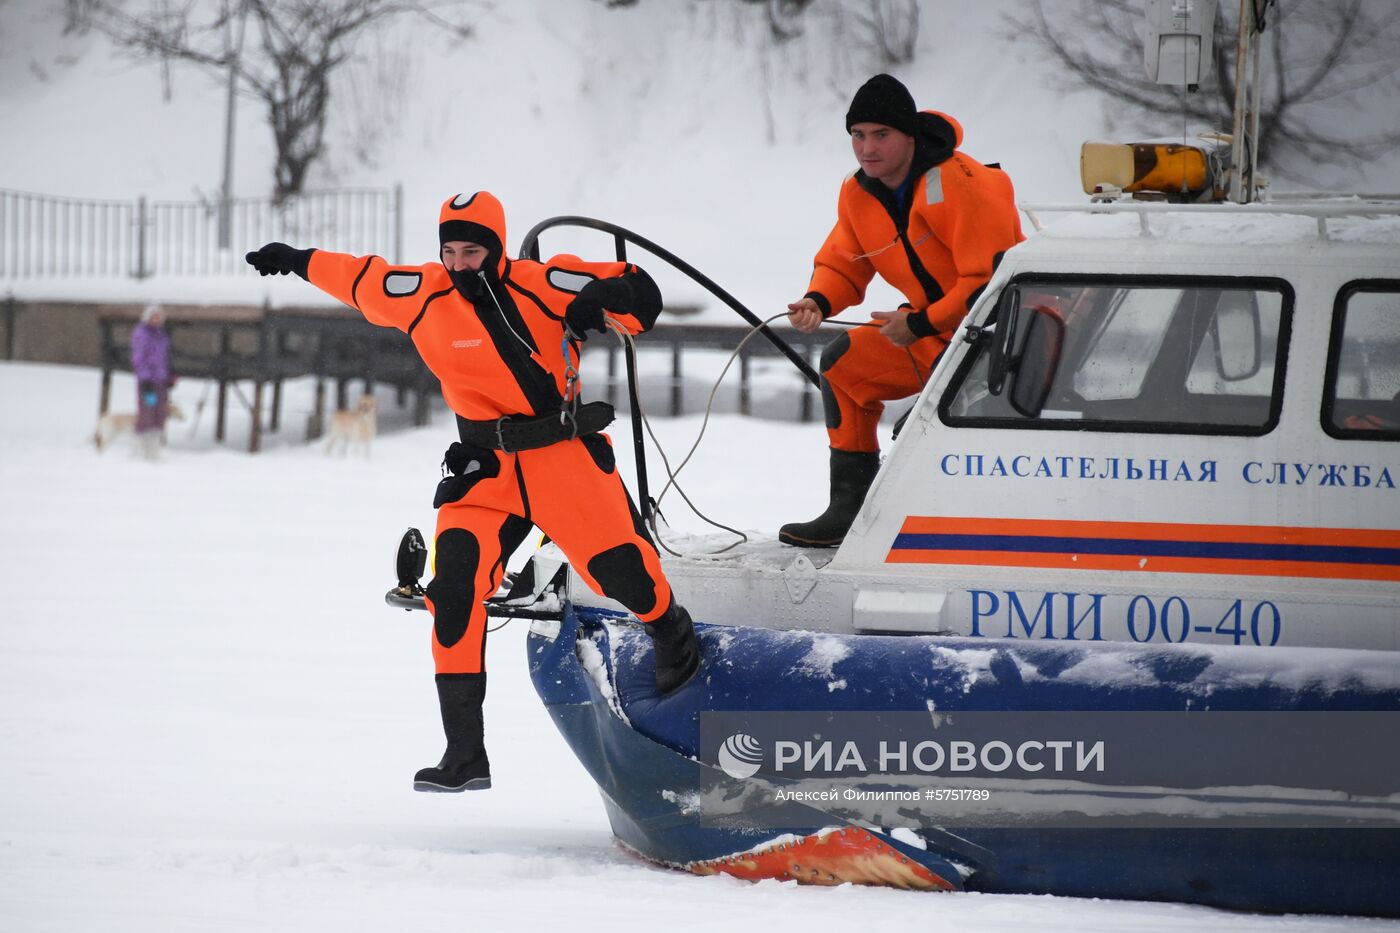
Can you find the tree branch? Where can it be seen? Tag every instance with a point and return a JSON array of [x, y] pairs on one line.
[[1324, 54]]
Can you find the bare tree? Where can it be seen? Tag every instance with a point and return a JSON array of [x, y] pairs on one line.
[[887, 29], [298, 45], [891, 30], [371, 89], [784, 17], [1328, 60]]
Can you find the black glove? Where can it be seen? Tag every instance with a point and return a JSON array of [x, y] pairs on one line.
[[279, 259], [585, 312]]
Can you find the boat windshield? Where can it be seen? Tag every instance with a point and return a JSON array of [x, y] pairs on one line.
[[1155, 355]]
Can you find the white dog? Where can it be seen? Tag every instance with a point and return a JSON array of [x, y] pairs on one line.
[[113, 426], [355, 427]]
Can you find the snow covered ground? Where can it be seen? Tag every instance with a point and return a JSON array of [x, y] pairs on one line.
[[209, 721]]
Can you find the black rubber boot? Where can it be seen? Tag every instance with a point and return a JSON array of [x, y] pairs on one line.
[[677, 652], [464, 765], [852, 472]]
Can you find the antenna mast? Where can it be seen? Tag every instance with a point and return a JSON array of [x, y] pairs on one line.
[[1244, 153]]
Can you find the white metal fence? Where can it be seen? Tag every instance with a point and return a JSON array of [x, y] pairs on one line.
[[48, 236]]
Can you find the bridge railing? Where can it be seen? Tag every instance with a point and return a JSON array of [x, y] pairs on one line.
[[48, 236]]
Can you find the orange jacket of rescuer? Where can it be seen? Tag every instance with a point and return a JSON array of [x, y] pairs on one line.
[[939, 250], [495, 345]]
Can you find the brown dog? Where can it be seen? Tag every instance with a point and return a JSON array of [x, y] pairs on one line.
[[113, 426], [353, 428]]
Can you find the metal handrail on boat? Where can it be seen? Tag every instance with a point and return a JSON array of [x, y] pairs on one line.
[[1316, 206], [530, 249]]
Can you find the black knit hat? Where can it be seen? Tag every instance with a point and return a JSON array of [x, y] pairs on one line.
[[883, 100]]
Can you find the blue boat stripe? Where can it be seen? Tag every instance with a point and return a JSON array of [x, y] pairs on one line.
[[1218, 550]]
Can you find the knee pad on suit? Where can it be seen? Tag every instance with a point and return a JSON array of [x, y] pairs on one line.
[[622, 575], [453, 588], [831, 355]]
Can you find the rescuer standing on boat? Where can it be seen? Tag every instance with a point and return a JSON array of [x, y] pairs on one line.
[[931, 222], [502, 335]]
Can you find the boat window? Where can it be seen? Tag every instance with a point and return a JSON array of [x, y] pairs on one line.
[[1362, 400], [1165, 355]]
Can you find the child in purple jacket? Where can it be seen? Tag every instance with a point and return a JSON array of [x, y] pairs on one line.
[[150, 363]]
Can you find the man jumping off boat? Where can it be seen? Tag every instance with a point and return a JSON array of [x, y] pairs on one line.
[[933, 223], [503, 337]]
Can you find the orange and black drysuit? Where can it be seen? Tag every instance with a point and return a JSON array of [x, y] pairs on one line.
[[938, 245], [498, 344]]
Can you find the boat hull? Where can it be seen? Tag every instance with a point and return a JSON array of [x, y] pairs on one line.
[[593, 672]]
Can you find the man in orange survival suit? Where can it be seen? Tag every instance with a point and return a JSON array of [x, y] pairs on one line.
[[934, 224], [500, 334]]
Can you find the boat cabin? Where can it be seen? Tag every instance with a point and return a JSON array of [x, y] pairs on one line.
[[1159, 424]]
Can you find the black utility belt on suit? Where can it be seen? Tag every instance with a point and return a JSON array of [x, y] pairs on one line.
[[519, 432]]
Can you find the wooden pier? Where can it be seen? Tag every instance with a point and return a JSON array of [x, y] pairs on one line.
[[267, 346], [237, 345]]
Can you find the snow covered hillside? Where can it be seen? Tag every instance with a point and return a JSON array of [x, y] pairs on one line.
[[680, 120]]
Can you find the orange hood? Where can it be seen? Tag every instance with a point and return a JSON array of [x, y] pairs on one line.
[[476, 218]]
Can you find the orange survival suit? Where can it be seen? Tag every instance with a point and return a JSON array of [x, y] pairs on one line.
[[502, 353], [938, 245]]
